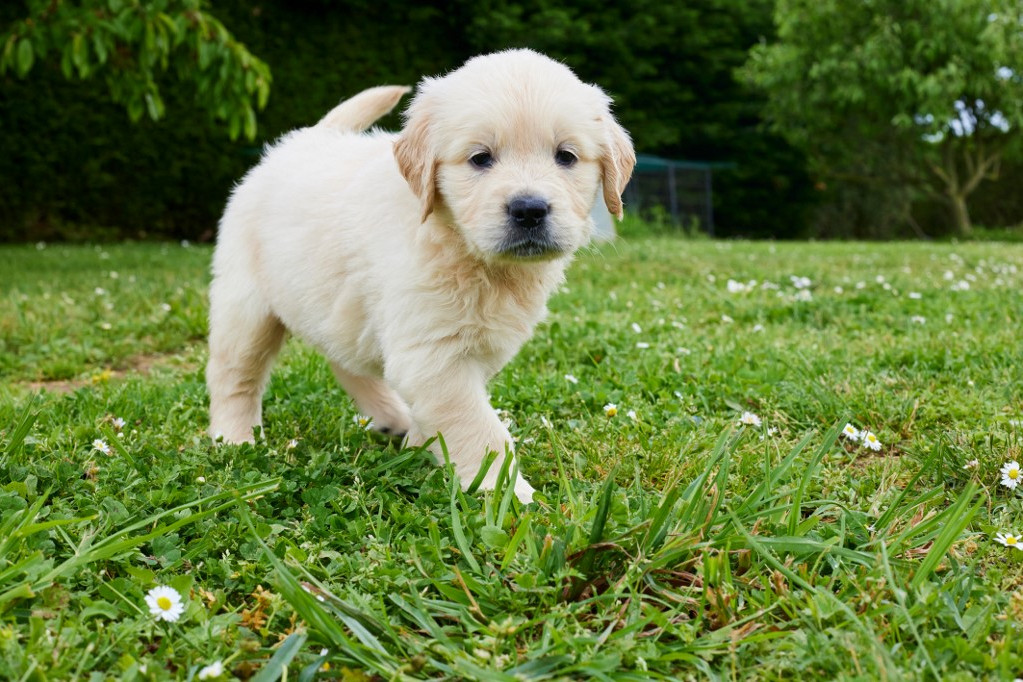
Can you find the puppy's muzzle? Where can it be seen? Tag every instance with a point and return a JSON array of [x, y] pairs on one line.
[[529, 234], [528, 213]]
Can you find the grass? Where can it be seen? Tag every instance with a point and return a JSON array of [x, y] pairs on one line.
[[670, 543]]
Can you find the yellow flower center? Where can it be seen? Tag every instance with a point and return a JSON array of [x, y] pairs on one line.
[[1013, 473], [164, 603], [1010, 540]]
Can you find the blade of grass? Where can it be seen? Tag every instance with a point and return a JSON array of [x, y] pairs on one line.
[[320, 622], [958, 516], [811, 468], [277, 667], [17, 440], [596, 534]]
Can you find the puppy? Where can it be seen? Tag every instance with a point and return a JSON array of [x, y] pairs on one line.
[[418, 263]]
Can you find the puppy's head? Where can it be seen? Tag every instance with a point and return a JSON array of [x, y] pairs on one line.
[[513, 149]]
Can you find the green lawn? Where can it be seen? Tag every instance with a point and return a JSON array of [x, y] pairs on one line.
[[669, 540]]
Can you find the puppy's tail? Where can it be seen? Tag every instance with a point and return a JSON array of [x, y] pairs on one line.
[[358, 113]]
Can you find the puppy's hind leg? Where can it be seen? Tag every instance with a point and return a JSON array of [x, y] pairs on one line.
[[244, 340], [376, 400]]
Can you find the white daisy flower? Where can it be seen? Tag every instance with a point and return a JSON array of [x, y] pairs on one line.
[[570, 378], [801, 282], [610, 409], [749, 419], [636, 328], [1009, 540], [165, 603], [918, 319], [642, 345], [851, 432], [102, 446], [631, 414], [972, 464], [362, 421], [118, 423], [915, 295], [726, 319], [1010, 474], [212, 671], [871, 441], [292, 444], [739, 287]]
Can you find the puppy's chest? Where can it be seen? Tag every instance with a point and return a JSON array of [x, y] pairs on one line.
[[493, 325]]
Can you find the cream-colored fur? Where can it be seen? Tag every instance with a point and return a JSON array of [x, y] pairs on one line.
[[396, 256]]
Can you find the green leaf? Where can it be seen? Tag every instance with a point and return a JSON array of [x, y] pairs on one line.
[[154, 105], [250, 123], [100, 608], [25, 57], [494, 537], [80, 54]]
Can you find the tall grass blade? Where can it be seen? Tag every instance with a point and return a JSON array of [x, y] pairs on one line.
[[957, 518], [277, 667], [795, 515], [596, 533], [16, 442]]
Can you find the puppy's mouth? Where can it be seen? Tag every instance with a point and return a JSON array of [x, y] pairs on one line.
[[530, 247], [528, 229]]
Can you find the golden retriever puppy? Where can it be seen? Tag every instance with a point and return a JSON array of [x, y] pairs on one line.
[[418, 263]]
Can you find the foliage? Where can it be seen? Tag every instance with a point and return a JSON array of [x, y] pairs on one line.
[[131, 42], [669, 544], [670, 70], [74, 169], [904, 98]]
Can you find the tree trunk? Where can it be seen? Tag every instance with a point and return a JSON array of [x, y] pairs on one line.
[[960, 214]]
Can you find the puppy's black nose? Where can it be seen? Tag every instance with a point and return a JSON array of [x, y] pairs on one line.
[[528, 212]]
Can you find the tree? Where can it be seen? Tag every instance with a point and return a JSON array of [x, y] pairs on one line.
[[131, 43], [912, 97]]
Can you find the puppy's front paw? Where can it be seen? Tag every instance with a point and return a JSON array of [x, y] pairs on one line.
[[523, 490]]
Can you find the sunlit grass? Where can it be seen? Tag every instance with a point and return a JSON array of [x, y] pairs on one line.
[[670, 539]]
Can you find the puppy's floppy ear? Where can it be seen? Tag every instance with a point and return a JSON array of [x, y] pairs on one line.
[[616, 164], [413, 150]]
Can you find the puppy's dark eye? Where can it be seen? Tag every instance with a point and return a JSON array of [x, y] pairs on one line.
[[565, 158], [482, 159]]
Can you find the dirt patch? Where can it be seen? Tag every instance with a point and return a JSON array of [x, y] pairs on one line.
[[137, 365]]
